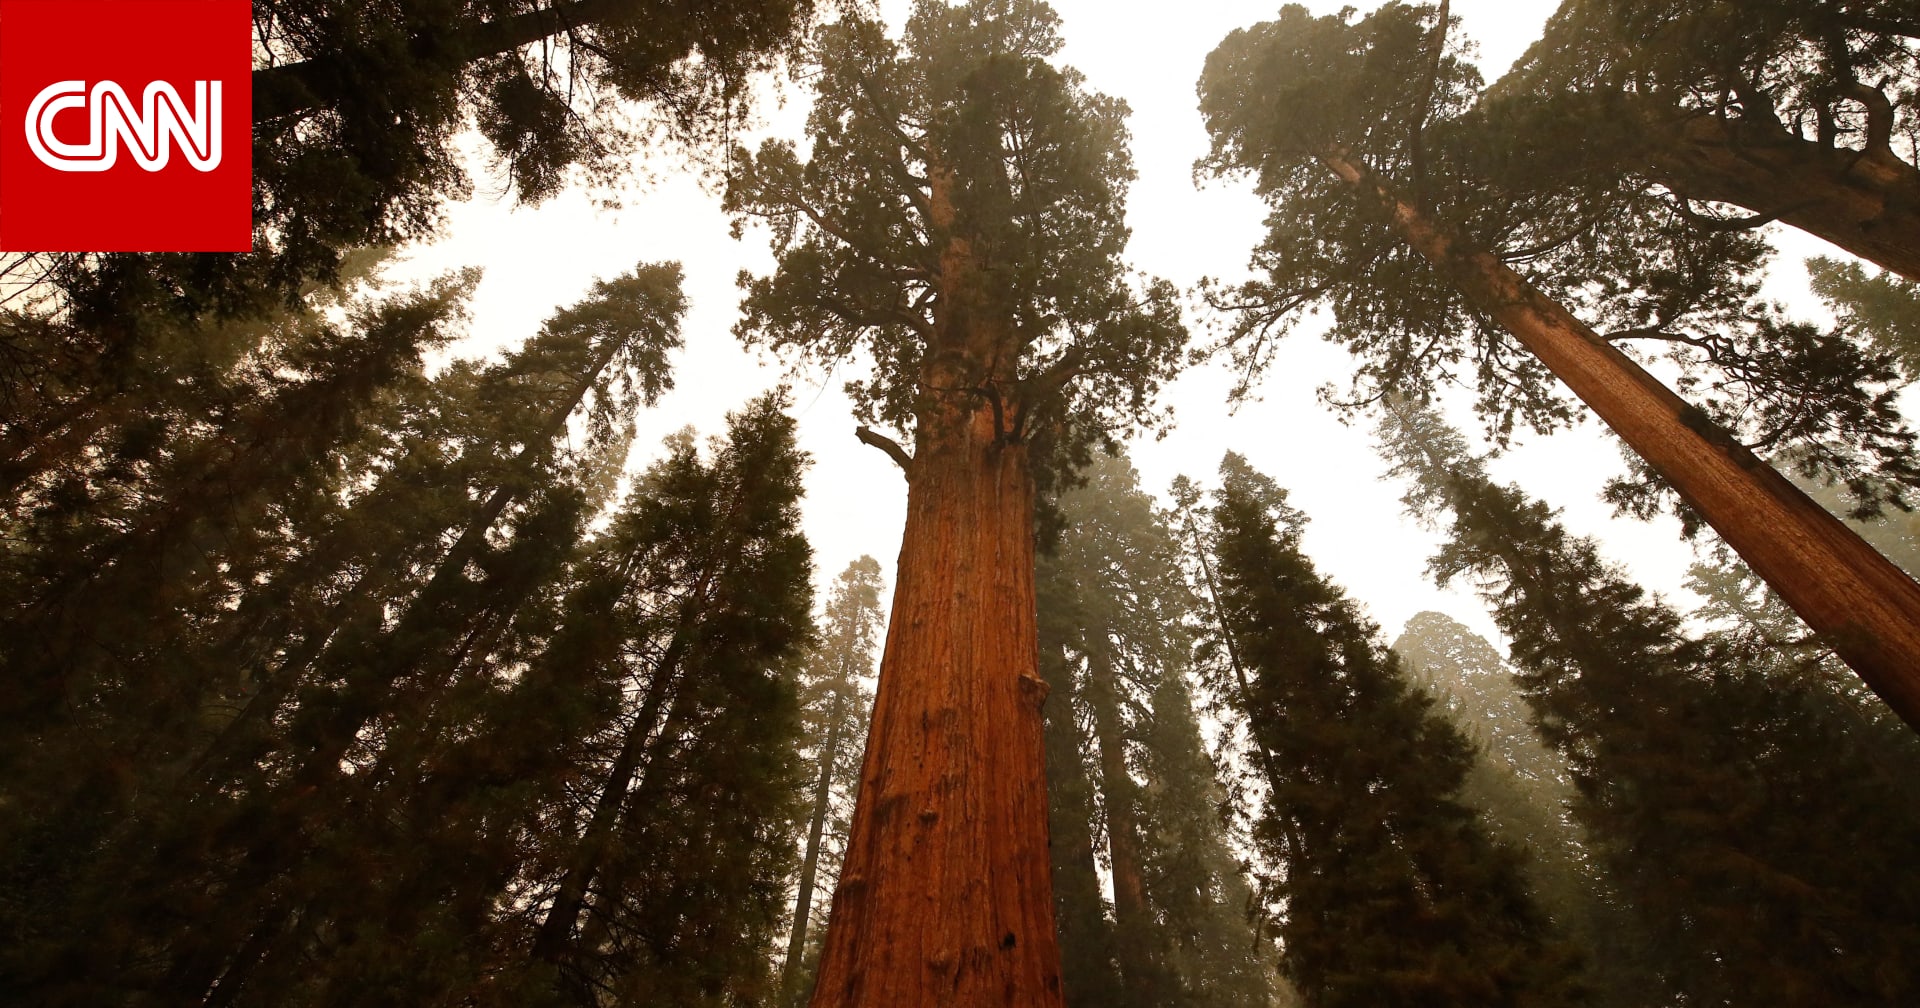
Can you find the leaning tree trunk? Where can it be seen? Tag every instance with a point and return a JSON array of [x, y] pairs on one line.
[[1859, 603], [945, 894], [1864, 201], [816, 830]]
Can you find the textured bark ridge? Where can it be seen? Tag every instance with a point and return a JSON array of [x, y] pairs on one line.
[[1867, 202], [1859, 603], [946, 882]]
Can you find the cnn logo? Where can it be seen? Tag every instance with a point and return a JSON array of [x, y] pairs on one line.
[[112, 118], [127, 126]]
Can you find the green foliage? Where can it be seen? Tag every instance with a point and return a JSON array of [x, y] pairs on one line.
[[1526, 795], [1390, 891], [323, 684], [1117, 623], [357, 110], [1882, 310], [1280, 96], [958, 217], [1773, 62], [1757, 818]]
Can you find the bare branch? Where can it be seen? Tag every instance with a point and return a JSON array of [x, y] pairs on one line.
[[869, 436], [1682, 205], [1879, 115]]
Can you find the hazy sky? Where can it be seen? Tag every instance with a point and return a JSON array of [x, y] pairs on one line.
[[1149, 54]]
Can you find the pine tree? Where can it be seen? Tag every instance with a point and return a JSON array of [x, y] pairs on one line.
[[1392, 892], [1754, 820], [957, 217], [1333, 118], [835, 706]]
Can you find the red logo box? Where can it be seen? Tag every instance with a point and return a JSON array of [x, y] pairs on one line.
[[108, 138]]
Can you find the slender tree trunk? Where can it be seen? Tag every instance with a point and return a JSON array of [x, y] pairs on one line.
[[564, 916], [364, 700], [945, 894], [1866, 202], [1116, 784], [1086, 938], [816, 828], [1859, 603]]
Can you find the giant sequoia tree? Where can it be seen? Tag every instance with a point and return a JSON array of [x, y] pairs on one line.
[[1352, 132], [957, 219], [1758, 821], [1393, 893]]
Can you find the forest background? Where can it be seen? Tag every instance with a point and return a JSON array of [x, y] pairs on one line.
[[537, 257]]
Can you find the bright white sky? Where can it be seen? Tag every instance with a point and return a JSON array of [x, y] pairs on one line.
[[1150, 54]]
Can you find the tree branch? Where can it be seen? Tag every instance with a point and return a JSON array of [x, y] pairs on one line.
[[1879, 115], [1682, 206], [1415, 148], [869, 436]]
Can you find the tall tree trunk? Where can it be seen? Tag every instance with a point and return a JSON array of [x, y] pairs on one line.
[[1116, 784], [816, 828], [635, 750], [1864, 201], [1086, 937], [945, 894], [1860, 604]]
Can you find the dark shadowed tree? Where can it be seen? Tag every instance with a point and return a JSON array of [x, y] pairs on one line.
[[1526, 794], [1801, 112], [1389, 889], [1758, 823]]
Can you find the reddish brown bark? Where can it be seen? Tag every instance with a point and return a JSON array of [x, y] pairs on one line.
[[1867, 203], [1860, 604], [946, 891], [945, 896]]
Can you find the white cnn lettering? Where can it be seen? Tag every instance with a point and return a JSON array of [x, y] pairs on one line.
[[149, 131]]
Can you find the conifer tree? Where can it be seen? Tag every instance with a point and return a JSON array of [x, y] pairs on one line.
[[1117, 612], [958, 216], [1755, 821], [1392, 891], [356, 115], [1526, 794], [287, 663], [835, 706], [1350, 130]]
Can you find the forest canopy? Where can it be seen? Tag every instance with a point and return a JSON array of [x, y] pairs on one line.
[[987, 502]]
